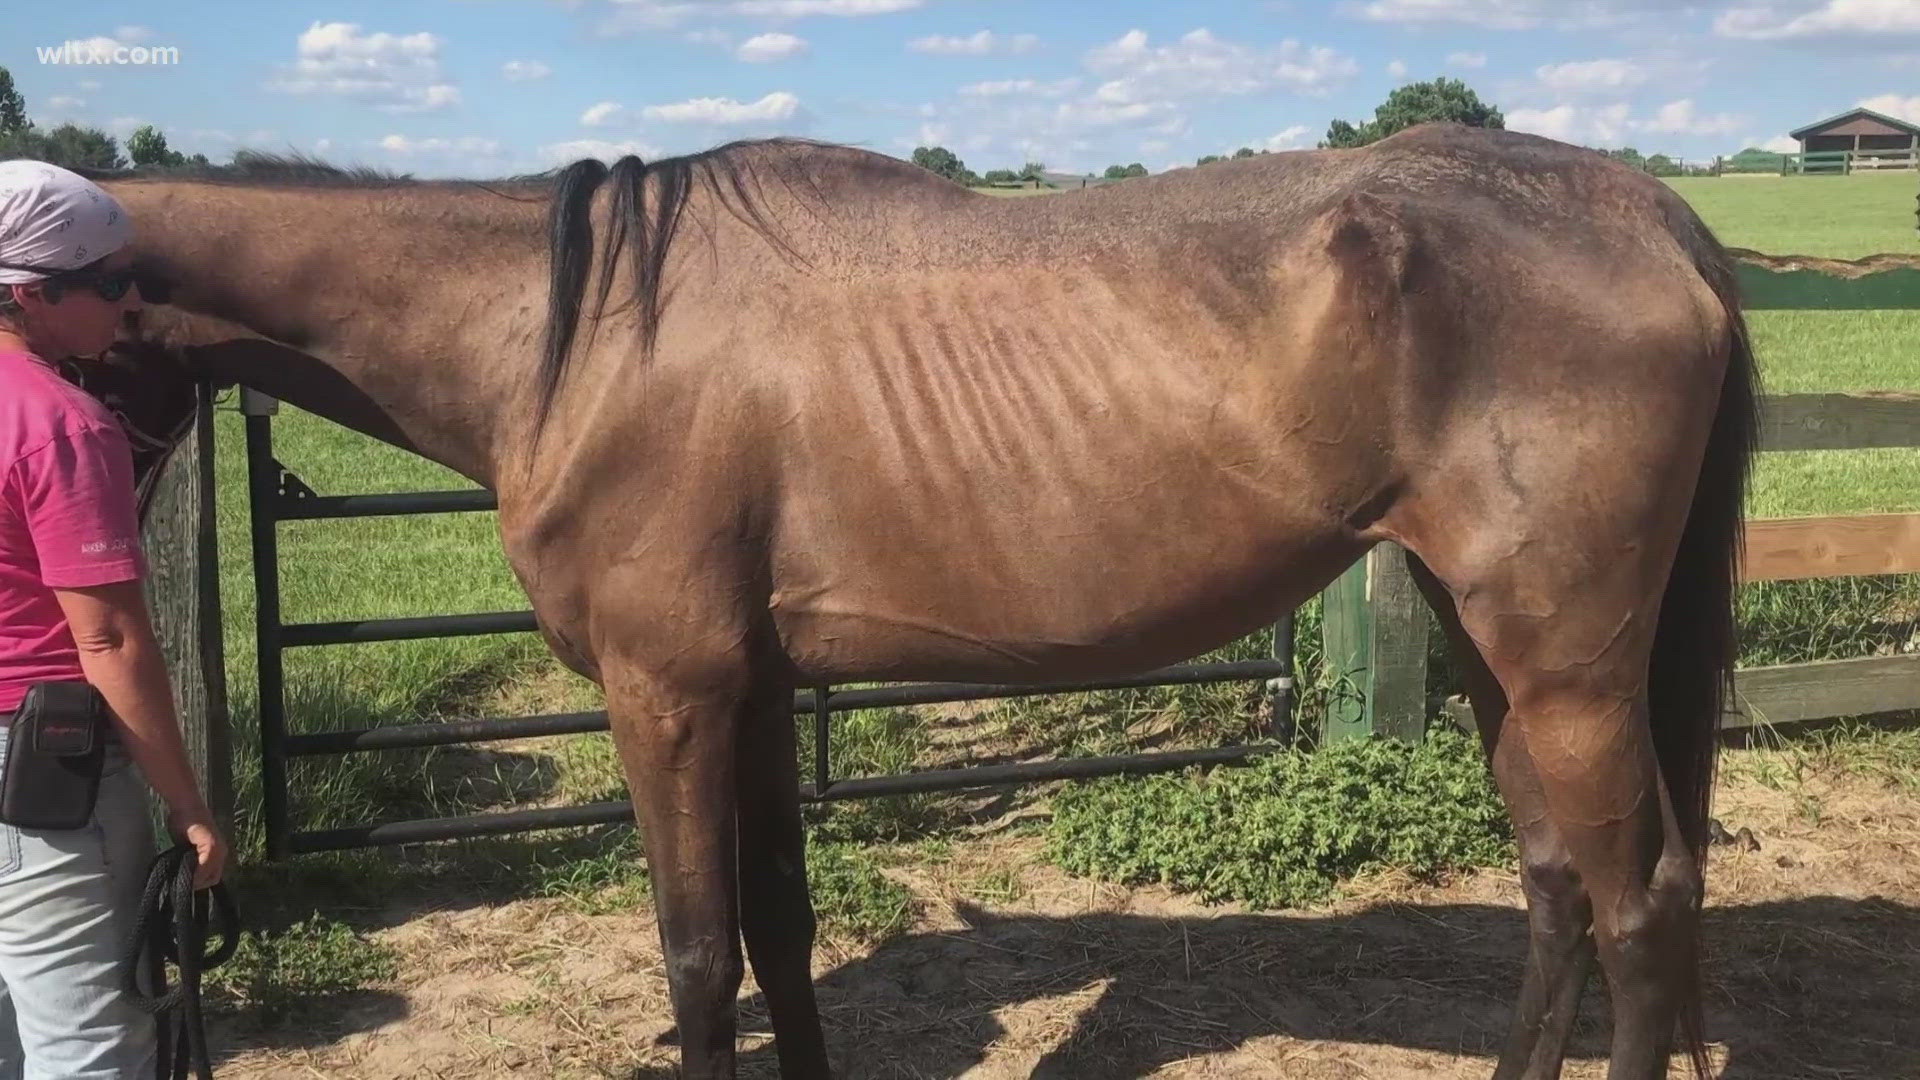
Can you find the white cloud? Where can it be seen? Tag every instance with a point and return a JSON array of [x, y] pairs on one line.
[[1467, 59], [322, 145], [1397, 69], [465, 144], [89, 84], [133, 35], [395, 72], [1291, 138], [1613, 124], [1830, 19], [602, 113], [574, 149], [1508, 14], [982, 43], [1894, 105], [1604, 125], [1022, 87], [1200, 64], [1679, 118], [766, 48], [62, 101], [630, 15], [711, 36], [779, 105], [1781, 144], [1591, 76], [525, 70]]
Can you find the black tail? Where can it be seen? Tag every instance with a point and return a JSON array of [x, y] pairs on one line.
[[1695, 648]]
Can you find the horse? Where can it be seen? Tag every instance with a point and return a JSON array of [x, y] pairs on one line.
[[785, 412]]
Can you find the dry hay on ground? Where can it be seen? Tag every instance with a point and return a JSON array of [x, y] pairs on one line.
[[1814, 972]]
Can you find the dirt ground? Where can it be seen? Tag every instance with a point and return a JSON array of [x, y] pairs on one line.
[[1814, 971]]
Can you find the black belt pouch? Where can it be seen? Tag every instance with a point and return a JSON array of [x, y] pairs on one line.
[[55, 748]]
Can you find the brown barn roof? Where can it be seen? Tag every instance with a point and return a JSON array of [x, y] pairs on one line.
[[1857, 122]]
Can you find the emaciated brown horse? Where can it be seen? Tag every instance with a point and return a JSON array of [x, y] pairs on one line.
[[784, 412]]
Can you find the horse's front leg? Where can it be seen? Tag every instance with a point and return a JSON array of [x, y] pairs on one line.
[[676, 730]]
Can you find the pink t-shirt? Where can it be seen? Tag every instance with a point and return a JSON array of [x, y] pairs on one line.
[[68, 518]]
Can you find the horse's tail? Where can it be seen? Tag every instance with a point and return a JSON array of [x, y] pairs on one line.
[[1690, 680]]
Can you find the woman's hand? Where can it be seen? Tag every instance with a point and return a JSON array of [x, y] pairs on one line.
[[207, 843]]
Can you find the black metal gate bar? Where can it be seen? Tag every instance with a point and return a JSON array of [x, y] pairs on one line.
[[451, 732], [362, 631], [276, 495], [932, 780], [322, 507], [263, 490]]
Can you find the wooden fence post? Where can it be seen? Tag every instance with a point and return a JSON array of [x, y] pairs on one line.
[[183, 590], [1375, 633]]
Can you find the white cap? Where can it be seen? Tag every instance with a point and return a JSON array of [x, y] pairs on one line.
[[53, 220]]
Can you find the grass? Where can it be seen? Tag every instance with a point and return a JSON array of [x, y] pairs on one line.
[[1841, 217], [452, 563]]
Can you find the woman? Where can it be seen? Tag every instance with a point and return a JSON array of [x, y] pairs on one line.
[[71, 609]]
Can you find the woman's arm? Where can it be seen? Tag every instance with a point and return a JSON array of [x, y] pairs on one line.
[[121, 658]]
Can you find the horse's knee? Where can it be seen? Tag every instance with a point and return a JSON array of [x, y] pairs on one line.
[[705, 970]]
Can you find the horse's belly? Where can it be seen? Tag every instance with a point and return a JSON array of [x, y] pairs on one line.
[[1085, 591]]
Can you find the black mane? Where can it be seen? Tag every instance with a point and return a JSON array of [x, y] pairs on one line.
[[649, 201]]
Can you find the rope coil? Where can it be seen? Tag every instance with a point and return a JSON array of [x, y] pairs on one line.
[[172, 925]]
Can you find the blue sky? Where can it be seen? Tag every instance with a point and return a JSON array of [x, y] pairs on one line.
[[492, 87]]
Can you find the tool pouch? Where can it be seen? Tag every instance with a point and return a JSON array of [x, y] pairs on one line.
[[56, 747]]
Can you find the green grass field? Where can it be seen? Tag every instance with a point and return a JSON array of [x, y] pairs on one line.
[[452, 563]]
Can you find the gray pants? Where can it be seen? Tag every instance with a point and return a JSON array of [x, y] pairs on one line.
[[67, 901]]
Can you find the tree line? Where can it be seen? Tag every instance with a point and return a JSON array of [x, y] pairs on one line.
[[75, 147]]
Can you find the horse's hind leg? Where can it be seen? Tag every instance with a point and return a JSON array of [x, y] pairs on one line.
[[776, 911], [1559, 947], [1566, 628]]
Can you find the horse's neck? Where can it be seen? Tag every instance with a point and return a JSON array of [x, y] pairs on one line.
[[420, 313]]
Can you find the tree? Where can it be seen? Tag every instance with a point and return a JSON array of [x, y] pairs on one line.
[[1244, 152], [943, 162], [1032, 170], [1662, 165], [1208, 159], [1001, 176], [1629, 156], [13, 108], [1416, 103], [146, 146], [74, 147]]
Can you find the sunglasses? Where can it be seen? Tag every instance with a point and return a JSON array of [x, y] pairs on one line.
[[110, 286]]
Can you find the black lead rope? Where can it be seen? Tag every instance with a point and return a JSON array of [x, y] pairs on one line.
[[172, 926]]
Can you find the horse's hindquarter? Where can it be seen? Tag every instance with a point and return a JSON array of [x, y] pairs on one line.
[[1047, 472]]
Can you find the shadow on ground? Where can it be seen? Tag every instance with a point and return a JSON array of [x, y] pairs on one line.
[[1821, 986]]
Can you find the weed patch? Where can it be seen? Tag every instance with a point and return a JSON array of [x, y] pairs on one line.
[[1289, 829], [278, 974]]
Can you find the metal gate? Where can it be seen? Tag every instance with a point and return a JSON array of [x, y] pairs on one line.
[[275, 495]]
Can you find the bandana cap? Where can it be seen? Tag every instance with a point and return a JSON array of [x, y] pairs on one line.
[[53, 220]]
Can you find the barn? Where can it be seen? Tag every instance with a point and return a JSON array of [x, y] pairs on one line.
[[1857, 130]]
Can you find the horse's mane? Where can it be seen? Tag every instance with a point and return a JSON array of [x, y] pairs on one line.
[[294, 169], [649, 202]]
